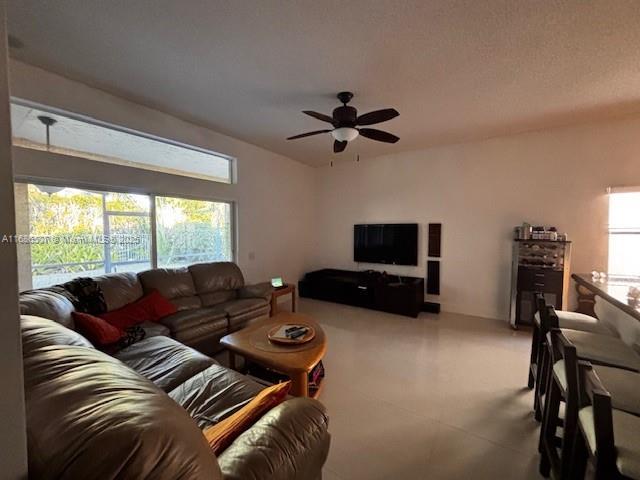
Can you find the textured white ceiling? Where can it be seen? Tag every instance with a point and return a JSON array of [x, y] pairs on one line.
[[455, 70]]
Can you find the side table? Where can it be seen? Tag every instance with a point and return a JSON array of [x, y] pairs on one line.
[[288, 288]]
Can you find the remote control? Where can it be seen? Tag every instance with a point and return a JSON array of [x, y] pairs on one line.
[[297, 334], [292, 329]]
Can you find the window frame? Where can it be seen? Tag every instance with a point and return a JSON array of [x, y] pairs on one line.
[[619, 231], [231, 161], [152, 208], [232, 221]]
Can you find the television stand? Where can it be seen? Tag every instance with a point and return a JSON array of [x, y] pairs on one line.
[[368, 289]]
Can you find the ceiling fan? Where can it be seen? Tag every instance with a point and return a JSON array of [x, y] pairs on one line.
[[345, 121]]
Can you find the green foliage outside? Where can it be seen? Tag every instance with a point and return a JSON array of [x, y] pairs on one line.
[[192, 231], [66, 225], [56, 217]]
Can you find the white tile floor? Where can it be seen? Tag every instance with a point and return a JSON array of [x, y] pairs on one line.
[[437, 397]]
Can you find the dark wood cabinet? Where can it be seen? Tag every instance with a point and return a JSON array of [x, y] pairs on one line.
[[538, 280], [538, 266], [370, 289]]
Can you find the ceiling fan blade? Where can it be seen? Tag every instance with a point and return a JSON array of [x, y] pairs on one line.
[[308, 134], [339, 146], [378, 135], [377, 116], [319, 116]]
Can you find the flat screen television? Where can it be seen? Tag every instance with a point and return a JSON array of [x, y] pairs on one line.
[[390, 243]]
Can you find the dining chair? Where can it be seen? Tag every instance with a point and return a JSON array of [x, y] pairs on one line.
[[607, 439]]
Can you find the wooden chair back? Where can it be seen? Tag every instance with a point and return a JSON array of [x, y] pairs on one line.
[[593, 393]]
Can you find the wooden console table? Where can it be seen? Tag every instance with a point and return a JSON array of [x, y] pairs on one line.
[[288, 288]]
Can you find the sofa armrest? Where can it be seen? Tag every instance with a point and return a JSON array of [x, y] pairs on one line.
[[290, 442], [257, 290]]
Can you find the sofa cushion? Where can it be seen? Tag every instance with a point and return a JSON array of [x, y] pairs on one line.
[[214, 394], [175, 284], [164, 361], [47, 304], [240, 321], [257, 290], [244, 305], [299, 429], [155, 329], [119, 289], [215, 298], [204, 331], [186, 319], [244, 310], [90, 416]]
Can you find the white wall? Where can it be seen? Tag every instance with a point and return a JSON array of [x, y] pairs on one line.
[[480, 191], [21, 200], [13, 439], [274, 194]]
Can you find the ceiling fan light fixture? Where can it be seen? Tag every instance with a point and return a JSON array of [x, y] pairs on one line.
[[345, 122], [345, 134], [49, 189]]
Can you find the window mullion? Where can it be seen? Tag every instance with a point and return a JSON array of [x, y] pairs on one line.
[[106, 231], [154, 233]]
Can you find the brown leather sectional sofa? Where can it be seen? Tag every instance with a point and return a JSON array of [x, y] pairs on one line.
[[139, 413], [212, 300]]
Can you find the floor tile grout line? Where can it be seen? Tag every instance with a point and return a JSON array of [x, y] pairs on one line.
[[438, 421], [434, 417]]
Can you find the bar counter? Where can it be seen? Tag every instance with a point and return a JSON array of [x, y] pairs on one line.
[[612, 290]]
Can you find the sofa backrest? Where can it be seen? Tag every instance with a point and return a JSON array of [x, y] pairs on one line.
[[216, 282], [175, 284], [119, 289], [90, 416], [47, 304], [202, 284]]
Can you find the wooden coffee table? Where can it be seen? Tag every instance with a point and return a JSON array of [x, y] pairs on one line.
[[295, 361]]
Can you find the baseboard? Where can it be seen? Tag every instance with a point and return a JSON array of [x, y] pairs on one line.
[[431, 307]]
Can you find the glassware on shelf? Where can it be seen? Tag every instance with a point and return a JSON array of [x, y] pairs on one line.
[[598, 276]]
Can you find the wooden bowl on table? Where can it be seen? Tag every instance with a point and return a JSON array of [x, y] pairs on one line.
[[307, 337]]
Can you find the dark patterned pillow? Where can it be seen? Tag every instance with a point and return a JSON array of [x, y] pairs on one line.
[[89, 298], [132, 335]]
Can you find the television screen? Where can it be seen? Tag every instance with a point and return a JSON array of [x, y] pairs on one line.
[[391, 243]]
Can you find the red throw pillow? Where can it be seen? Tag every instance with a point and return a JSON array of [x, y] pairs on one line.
[[150, 308], [98, 331], [161, 306]]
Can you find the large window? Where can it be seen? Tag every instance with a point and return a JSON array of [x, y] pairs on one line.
[[73, 232], [190, 231], [624, 234]]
